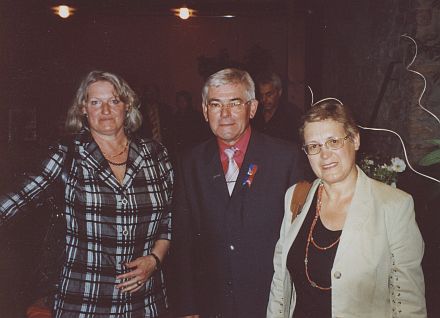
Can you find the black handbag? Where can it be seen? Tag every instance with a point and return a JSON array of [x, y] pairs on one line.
[[53, 249]]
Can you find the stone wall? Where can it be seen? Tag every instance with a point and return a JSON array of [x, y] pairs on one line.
[[423, 126], [364, 61]]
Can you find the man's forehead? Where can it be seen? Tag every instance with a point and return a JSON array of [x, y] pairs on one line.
[[227, 91], [266, 87]]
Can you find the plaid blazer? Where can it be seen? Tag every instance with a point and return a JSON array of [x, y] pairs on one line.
[[108, 224]]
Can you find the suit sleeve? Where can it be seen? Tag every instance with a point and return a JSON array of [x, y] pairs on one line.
[[407, 288], [277, 300], [181, 284]]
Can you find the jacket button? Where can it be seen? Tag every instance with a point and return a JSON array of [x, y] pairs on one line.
[[337, 275], [232, 247]]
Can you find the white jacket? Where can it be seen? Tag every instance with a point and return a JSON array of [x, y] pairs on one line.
[[377, 268]]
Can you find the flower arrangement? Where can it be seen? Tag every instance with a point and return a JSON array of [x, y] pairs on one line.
[[382, 170]]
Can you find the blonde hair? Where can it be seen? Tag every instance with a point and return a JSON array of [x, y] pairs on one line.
[[75, 118]]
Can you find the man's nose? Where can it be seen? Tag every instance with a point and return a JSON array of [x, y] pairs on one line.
[[225, 111]]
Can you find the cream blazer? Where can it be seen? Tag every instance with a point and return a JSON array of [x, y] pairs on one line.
[[377, 268]]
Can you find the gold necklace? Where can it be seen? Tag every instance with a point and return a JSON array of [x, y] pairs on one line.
[[107, 156]]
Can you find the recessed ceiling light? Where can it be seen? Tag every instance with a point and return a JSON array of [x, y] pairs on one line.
[[63, 11]]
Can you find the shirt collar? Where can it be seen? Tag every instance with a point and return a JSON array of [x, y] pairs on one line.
[[242, 144]]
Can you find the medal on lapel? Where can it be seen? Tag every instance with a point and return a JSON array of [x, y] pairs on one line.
[[252, 170]]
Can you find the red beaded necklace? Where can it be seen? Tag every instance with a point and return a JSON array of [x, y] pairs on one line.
[[310, 239]]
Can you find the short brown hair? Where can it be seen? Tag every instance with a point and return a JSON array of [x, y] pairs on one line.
[[330, 109]]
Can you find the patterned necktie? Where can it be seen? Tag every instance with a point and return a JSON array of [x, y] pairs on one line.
[[232, 173]]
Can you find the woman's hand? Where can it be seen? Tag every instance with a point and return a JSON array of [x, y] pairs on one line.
[[141, 270]]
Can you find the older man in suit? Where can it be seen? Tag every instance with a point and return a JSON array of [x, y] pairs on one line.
[[229, 207]]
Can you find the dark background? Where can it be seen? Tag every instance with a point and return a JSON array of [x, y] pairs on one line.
[[349, 49]]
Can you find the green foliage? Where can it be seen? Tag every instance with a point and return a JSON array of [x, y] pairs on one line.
[[433, 157], [382, 169]]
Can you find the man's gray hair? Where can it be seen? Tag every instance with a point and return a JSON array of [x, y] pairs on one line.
[[270, 78], [229, 76]]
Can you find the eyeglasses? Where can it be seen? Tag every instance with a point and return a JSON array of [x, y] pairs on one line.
[[332, 144], [234, 105]]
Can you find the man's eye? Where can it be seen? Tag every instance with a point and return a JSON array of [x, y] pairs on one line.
[[333, 141], [115, 101], [94, 102], [235, 103], [215, 105]]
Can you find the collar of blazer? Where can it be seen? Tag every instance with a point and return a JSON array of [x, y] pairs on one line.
[[358, 214], [96, 162]]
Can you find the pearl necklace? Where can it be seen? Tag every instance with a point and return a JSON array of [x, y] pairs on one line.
[[310, 239]]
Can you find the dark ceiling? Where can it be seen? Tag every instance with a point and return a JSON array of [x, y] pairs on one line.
[[205, 8]]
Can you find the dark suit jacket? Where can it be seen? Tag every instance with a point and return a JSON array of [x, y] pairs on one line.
[[222, 246]]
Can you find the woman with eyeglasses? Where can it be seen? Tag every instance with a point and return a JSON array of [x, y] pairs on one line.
[[355, 249]]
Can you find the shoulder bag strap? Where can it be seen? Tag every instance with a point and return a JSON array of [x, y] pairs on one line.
[[299, 196]]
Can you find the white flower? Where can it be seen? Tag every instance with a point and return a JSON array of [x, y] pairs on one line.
[[369, 162], [398, 164], [385, 166]]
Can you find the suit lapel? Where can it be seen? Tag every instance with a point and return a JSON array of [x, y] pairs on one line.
[[251, 156], [242, 194], [358, 214], [137, 156], [214, 172]]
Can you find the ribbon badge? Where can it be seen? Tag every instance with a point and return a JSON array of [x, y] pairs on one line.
[[252, 170]]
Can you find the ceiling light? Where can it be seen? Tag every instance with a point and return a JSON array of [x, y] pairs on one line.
[[184, 13], [63, 11]]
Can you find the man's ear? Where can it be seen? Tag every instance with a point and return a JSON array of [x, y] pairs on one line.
[[205, 112], [253, 109]]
